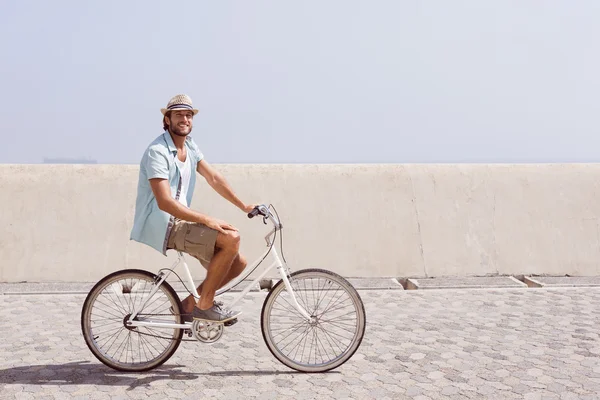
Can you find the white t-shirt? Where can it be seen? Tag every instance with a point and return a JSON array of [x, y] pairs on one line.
[[185, 168]]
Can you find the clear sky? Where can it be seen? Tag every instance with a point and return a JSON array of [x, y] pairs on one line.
[[306, 81]]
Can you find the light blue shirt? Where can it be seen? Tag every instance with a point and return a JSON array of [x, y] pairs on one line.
[[151, 225]]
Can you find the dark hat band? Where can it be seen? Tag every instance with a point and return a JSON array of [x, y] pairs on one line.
[[186, 106]]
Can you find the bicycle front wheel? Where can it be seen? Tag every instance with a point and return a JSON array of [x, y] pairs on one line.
[[110, 303], [330, 337]]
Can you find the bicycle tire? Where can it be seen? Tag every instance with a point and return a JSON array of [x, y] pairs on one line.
[[339, 296], [114, 308]]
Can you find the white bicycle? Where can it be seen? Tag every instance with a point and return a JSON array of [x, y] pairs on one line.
[[312, 320]]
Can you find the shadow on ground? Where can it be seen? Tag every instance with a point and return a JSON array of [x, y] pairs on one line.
[[86, 373]]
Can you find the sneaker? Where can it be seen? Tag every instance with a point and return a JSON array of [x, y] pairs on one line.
[[231, 321], [189, 318], [215, 314]]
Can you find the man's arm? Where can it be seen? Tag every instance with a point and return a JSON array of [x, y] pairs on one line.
[[168, 204], [218, 182]]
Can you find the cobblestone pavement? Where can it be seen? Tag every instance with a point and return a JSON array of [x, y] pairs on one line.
[[492, 344]]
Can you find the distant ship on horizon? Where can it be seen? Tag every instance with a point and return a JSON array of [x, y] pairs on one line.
[[65, 160]]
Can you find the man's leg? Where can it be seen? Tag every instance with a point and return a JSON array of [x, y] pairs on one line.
[[228, 247], [237, 266]]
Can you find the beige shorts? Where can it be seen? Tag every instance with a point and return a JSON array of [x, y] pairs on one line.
[[195, 239]]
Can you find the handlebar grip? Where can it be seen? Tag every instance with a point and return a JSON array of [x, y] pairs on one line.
[[253, 213]]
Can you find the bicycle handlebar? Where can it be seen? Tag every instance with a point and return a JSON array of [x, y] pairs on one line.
[[266, 213], [262, 210]]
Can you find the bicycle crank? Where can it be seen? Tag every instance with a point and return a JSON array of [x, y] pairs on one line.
[[207, 332]]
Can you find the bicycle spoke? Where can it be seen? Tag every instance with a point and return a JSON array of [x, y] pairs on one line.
[[348, 328], [140, 348], [108, 338], [116, 336], [337, 335], [119, 314], [339, 317], [313, 295], [141, 298], [288, 328], [293, 339], [116, 308], [140, 294], [294, 327], [287, 310], [283, 310], [301, 300], [323, 347], [106, 294], [150, 345], [110, 316], [103, 325], [107, 313], [319, 298], [326, 293], [107, 319], [332, 306], [330, 340], [340, 306], [118, 296], [140, 342], [331, 334], [329, 304], [314, 341], [298, 340], [303, 335], [118, 327], [128, 297], [292, 307], [323, 292], [127, 346], [121, 345]]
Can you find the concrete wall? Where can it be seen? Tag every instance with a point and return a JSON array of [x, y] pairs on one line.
[[72, 222]]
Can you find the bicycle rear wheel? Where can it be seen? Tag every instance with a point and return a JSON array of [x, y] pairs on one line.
[[336, 328], [110, 303]]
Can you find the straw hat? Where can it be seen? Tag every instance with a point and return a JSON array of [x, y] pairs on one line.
[[179, 102]]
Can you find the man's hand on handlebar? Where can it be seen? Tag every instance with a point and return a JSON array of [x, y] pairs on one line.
[[259, 210], [248, 208]]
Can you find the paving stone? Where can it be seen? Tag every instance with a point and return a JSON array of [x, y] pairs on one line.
[[450, 390]]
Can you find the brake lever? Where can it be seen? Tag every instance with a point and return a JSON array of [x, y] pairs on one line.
[[265, 220]]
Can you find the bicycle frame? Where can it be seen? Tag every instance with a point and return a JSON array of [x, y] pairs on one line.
[[271, 248]]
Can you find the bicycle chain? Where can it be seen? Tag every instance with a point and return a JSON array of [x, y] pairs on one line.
[[164, 337]]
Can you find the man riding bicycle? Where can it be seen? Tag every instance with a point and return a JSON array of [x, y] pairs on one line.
[[163, 219]]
